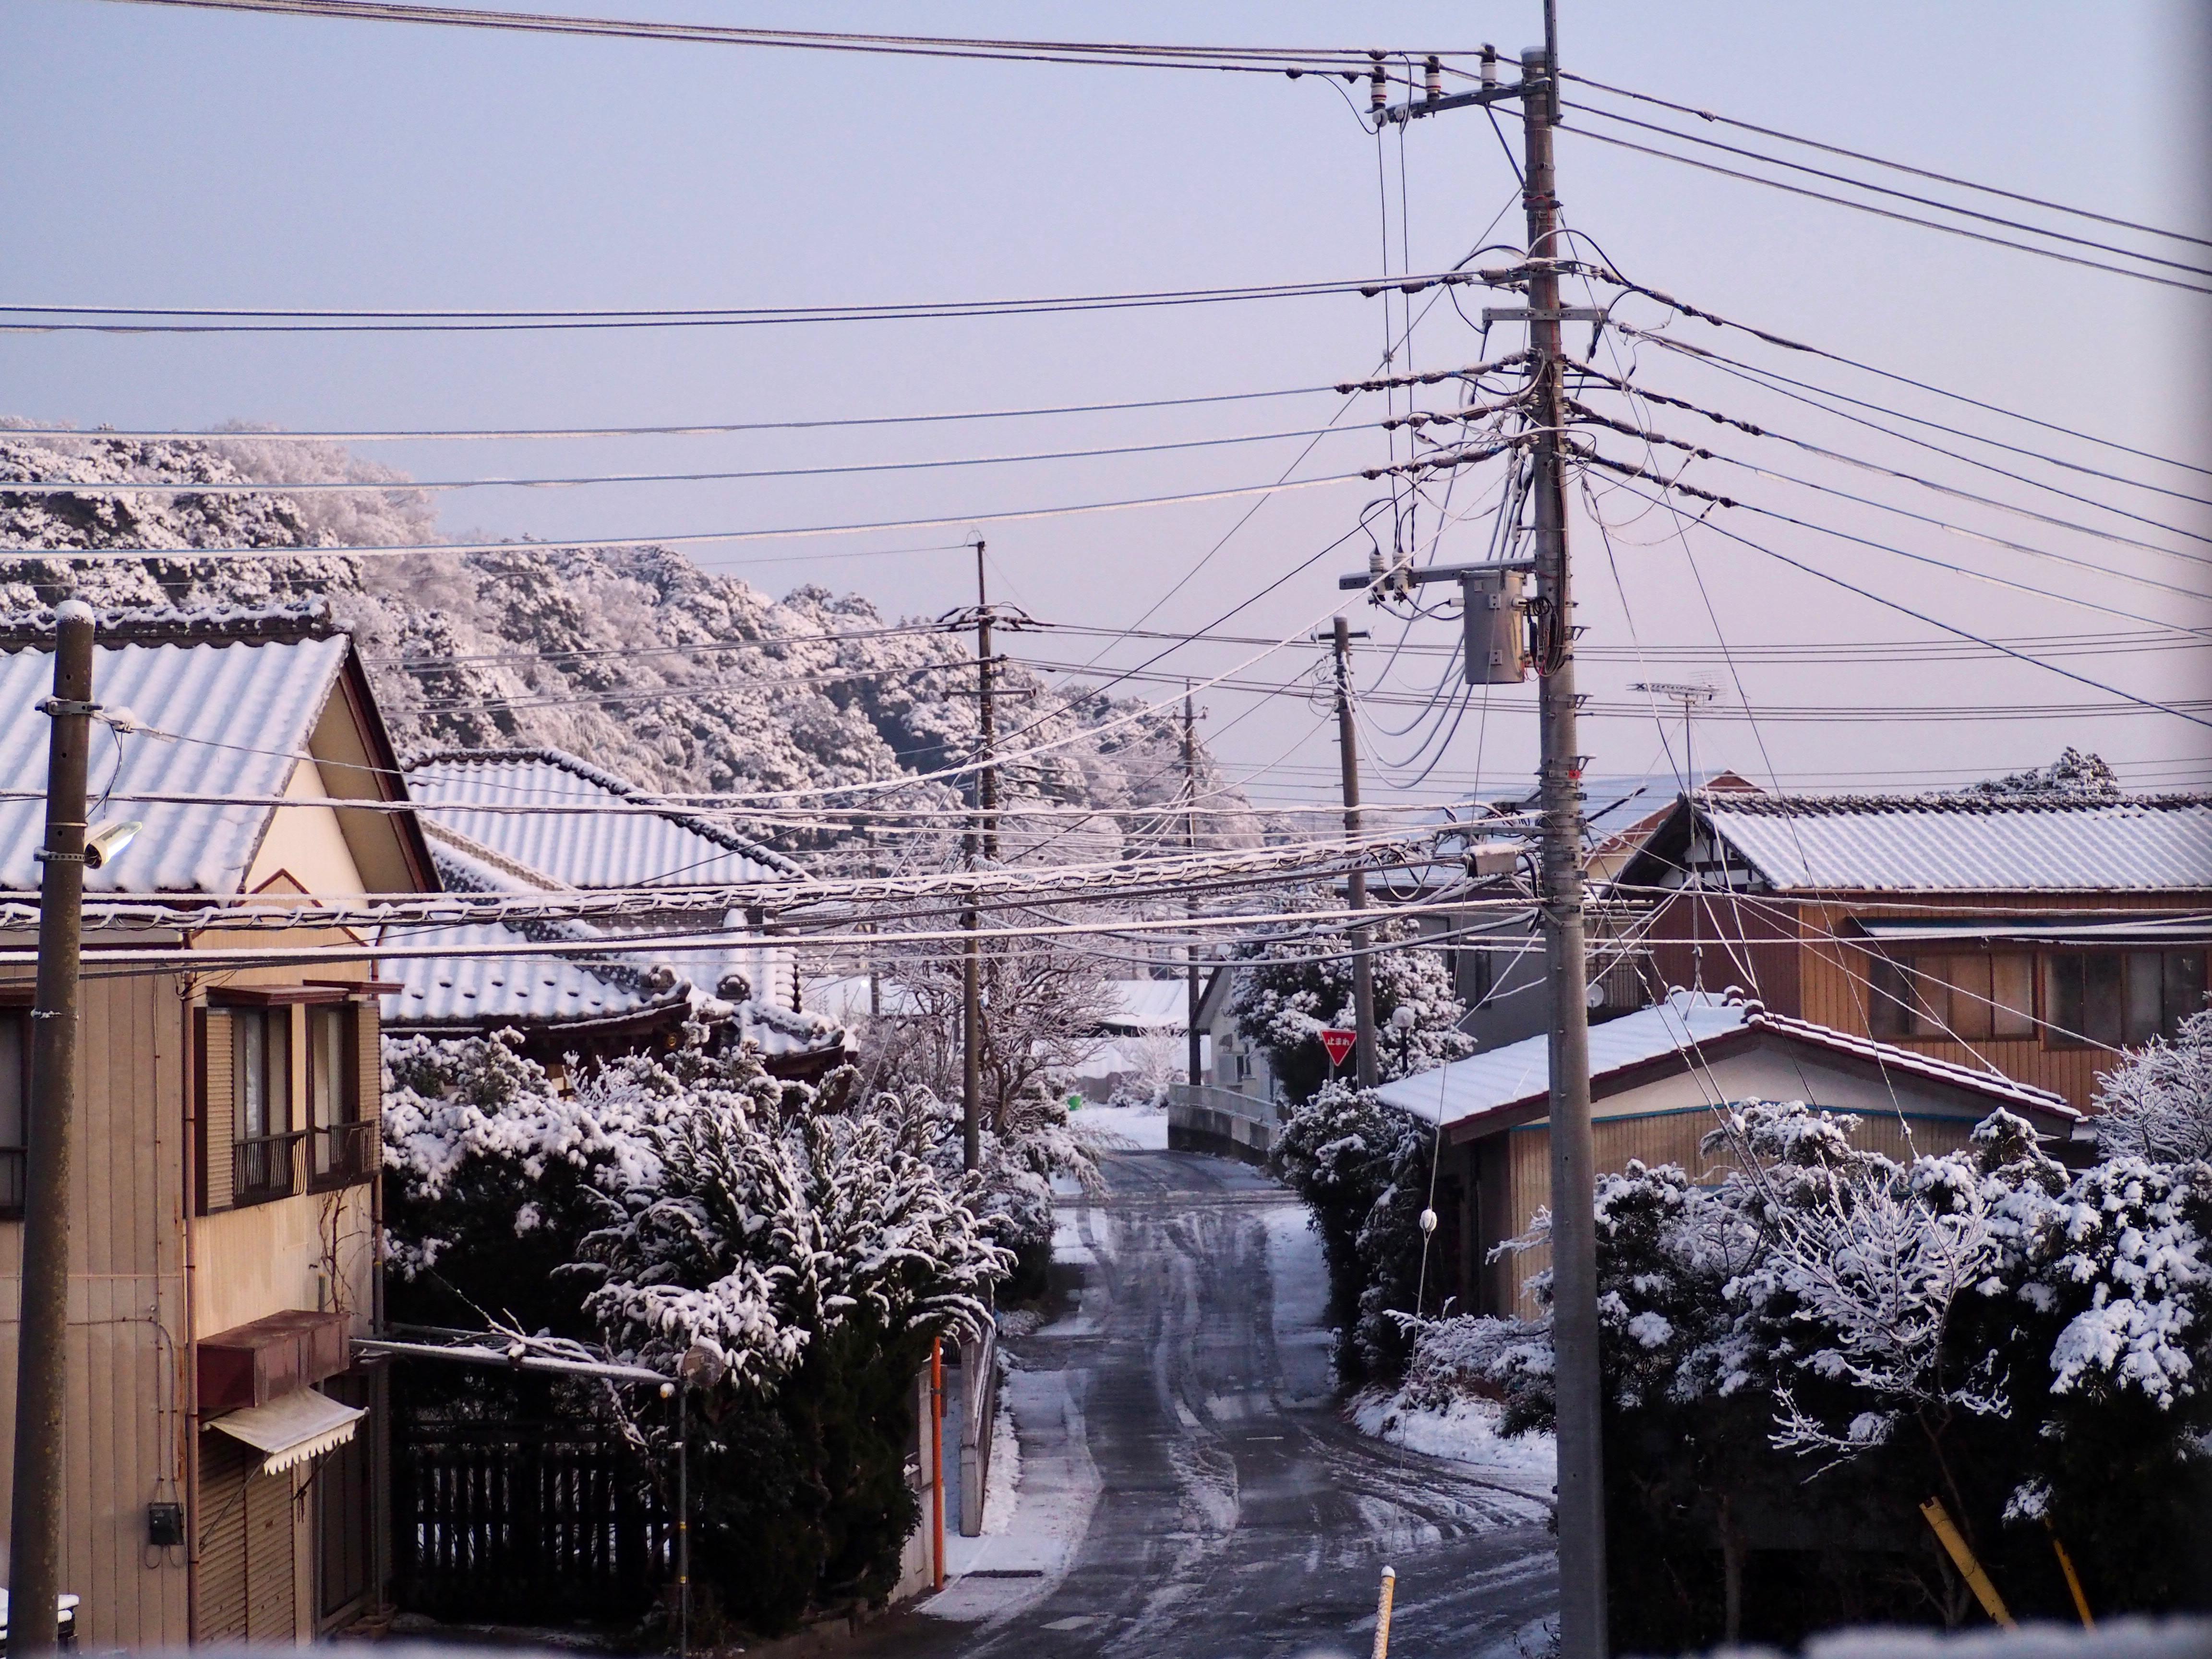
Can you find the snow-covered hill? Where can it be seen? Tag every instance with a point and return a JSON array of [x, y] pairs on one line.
[[637, 659]]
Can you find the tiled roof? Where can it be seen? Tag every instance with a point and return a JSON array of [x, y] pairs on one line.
[[493, 989], [1971, 843], [1520, 1073], [1148, 1005], [240, 712], [583, 849], [738, 980]]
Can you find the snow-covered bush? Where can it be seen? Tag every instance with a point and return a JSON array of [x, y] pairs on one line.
[[1363, 1171], [2157, 1102], [1796, 1358], [1291, 988], [813, 1238]]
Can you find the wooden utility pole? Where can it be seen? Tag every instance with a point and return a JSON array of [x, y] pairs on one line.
[[1574, 1176], [1362, 968], [1190, 906], [34, 1531]]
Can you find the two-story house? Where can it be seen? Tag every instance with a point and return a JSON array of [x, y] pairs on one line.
[[2032, 934], [222, 1446]]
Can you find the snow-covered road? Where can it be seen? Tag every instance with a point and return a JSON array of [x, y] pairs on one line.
[[1188, 1484]]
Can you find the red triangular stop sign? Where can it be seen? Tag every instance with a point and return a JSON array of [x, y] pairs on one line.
[[1338, 1044]]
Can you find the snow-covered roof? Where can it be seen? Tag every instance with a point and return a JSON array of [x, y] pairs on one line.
[[241, 713], [496, 989], [1147, 1005], [1957, 843], [503, 987], [1520, 1074], [458, 789]]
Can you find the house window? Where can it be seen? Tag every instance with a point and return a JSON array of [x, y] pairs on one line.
[[261, 1054], [15, 1104], [335, 1152], [2120, 998], [1962, 997]]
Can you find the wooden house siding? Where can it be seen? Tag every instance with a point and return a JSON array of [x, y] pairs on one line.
[[125, 1433], [1819, 972]]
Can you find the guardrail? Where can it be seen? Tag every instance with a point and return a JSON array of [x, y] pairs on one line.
[[1203, 1118]]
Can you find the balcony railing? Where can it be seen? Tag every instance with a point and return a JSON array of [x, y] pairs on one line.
[[340, 1154], [266, 1166]]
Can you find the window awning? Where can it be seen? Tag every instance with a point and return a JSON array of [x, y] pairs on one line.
[[290, 1430], [2149, 932]]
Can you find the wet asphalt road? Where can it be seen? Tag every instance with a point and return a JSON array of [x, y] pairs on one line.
[[1186, 1409]]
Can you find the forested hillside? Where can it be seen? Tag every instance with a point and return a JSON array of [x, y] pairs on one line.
[[637, 660]]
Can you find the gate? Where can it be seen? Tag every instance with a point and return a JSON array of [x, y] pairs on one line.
[[525, 1523]]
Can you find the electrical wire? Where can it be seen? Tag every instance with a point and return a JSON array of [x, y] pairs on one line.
[[1884, 190], [349, 487], [1877, 160], [453, 434], [23, 318], [1613, 278], [1888, 213]]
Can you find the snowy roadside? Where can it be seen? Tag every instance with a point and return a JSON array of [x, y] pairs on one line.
[[1464, 1432]]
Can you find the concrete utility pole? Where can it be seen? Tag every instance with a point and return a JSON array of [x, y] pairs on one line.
[[986, 797], [1574, 1175], [34, 1531], [1190, 906], [1362, 967]]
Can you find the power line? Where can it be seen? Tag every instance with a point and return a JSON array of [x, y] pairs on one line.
[[275, 319], [1353, 64], [1890, 213], [1615, 279], [687, 539], [352, 487], [1899, 167], [1893, 604], [455, 434], [1780, 385], [1884, 190]]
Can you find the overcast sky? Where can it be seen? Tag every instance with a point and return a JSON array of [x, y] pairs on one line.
[[186, 158]]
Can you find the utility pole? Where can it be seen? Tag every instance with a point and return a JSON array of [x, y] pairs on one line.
[[1690, 696], [1574, 1175], [985, 794], [1190, 906], [34, 1531], [1362, 967]]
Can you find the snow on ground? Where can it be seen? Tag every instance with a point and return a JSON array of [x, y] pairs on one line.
[[1033, 1529], [1123, 1128], [999, 1489], [1465, 1431]]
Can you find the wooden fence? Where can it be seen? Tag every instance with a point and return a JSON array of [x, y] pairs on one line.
[[525, 1522]]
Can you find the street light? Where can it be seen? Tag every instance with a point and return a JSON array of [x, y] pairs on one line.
[[1401, 1021]]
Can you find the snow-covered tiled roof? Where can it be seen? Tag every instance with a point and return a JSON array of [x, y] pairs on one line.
[[1147, 1005], [1520, 1074], [241, 711], [1972, 843], [587, 848], [495, 988], [504, 987]]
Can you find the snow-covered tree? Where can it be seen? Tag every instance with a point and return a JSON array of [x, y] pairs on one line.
[[2157, 1103], [1291, 987]]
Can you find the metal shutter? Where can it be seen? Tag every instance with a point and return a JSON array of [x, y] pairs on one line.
[[219, 1582]]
